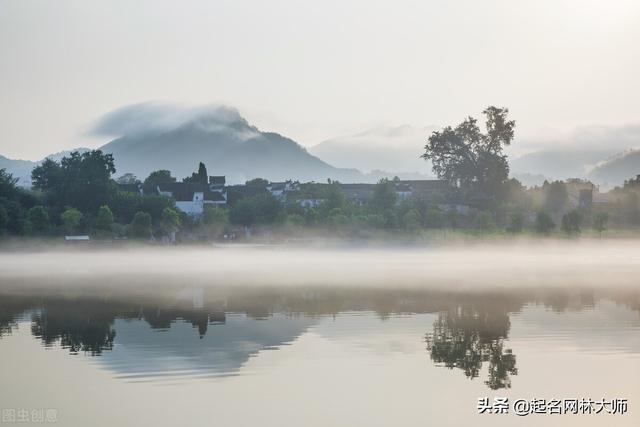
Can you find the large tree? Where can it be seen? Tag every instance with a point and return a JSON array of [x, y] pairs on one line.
[[80, 180], [470, 159], [201, 177]]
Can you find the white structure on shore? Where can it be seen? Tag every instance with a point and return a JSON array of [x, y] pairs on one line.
[[191, 197]]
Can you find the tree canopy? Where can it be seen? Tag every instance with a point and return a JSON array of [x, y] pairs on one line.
[[467, 158], [81, 180]]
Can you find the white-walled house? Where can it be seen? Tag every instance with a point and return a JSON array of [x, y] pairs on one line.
[[191, 198], [279, 190]]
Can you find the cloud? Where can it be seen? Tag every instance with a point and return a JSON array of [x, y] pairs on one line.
[[611, 139], [154, 117]]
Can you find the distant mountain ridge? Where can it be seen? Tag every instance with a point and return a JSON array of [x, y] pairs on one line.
[[21, 169], [153, 136], [617, 169], [395, 148], [235, 149]]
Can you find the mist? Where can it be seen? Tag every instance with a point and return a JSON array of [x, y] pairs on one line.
[[151, 118], [457, 267]]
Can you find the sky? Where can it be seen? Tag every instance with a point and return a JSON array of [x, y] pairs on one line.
[[316, 70]]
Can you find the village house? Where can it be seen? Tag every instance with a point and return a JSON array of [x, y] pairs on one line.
[[429, 190], [279, 190], [192, 197]]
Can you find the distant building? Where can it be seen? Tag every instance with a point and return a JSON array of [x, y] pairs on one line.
[[279, 190], [580, 193], [429, 190], [191, 198], [77, 239], [358, 193], [310, 203]]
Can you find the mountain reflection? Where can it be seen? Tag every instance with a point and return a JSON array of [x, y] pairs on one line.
[[212, 331]]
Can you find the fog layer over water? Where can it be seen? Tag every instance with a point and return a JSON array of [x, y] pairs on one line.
[[459, 266]]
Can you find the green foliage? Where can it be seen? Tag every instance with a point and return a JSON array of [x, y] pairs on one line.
[[169, 221], [4, 220], [334, 197], [412, 220], [259, 209], [71, 219], [104, 219], [384, 196], [15, 202], [82, 180], [124, 206], [39, 218], [453, 218], [244, 212], [600, 222], [556, 196], [141, 225], [484, 221], [544, 223], [516, 223], [467, 158], [7, 184], [128, 179], [214, 215], [571, 222], [295, 219], [150, 185], [257, 183], [155, 205], [433, 218]]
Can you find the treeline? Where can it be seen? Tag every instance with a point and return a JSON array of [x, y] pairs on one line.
[[515, 209], [77, 195]]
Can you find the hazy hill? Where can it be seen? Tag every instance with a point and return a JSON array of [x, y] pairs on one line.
[[21, 169], [225, 142], [558, 164], [617, 169], [395, 149]]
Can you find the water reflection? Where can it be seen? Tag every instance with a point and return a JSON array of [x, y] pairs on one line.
[[467, 337], [194, 331]]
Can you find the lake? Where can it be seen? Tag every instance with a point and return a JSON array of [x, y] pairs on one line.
[[346, 336]]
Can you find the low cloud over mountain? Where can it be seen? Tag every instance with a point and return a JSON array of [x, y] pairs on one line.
[[160, 136]]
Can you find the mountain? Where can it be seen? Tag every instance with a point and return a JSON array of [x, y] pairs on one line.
[[21, 169], [226, 143], [558, 164], [615, 170], [395, 149]]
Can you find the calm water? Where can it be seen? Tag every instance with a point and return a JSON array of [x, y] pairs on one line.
[[187, 351]]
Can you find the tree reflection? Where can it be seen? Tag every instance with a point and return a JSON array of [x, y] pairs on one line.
[[470, 333], [466, 337], [80, 326]]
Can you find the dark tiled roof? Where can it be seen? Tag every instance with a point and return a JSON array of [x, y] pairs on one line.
[[275, 186], [426, 184], [182, 191], [217, 180]]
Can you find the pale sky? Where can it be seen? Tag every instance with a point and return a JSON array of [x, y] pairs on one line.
[[313, 70]]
